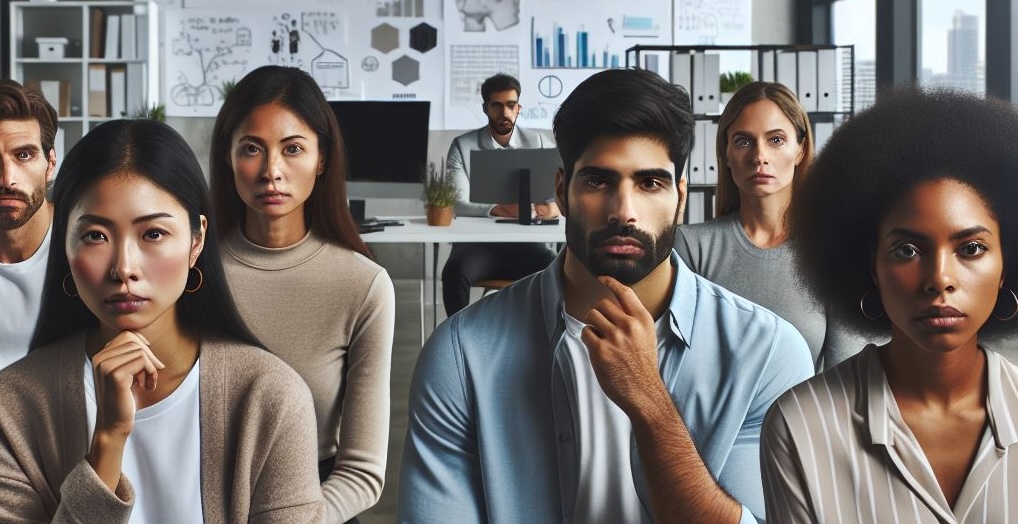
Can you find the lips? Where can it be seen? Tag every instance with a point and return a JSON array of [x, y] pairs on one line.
[[273, 197], [622, 246], [125, 303], [940, 317]]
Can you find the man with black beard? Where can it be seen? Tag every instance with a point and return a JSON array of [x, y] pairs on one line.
[[472, 262], [27, 160], [616, 385]]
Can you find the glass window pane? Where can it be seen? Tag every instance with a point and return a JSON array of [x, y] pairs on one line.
[[855, 23], [953, 50]]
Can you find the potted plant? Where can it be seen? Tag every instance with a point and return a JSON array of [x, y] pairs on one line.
[[731, 82], [440, 195], [153, 112]]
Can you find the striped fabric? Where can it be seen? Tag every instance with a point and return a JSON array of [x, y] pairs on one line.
[[836, 449]]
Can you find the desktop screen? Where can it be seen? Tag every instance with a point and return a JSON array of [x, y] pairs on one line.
[[386, 146]]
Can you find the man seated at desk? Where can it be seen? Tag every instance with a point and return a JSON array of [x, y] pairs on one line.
[[470, 263]]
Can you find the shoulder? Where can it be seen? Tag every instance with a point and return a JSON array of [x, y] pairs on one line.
[[704, 231], [839, 385], [35, 371], [243, 370], [466, 139]]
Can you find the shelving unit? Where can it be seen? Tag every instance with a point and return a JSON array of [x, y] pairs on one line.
[[85, 72], [822, 76]]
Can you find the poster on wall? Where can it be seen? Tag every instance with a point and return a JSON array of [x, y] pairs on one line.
[[369, 50], [716, 22]]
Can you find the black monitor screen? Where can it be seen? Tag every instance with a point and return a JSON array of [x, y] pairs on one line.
[[385, 141]]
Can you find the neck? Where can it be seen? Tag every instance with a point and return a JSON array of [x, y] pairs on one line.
[[502, 140], [582, 291], [18, 245], [763, 220], [934, 378], [275, 232]]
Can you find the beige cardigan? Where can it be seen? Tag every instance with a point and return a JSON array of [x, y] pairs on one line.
[[258, 446]]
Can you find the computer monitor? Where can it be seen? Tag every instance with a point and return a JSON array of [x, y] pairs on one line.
[[386, 146], [513, 176]]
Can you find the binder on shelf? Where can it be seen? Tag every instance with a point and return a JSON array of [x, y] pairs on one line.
[[712, 83], [56, 92], [785, 71], [96, 32], [822, 132], [682, 71], [695, 207], [762, 67], [128, 37], [58, 147], [827, 80], [710, 157], [117, 91], [97, 90], [112, 48], [807, 80], [698, 87], [136, 88], [697, 158]]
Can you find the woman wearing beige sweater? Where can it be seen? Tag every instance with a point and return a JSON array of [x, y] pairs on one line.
[[144, 398], [300, 274]]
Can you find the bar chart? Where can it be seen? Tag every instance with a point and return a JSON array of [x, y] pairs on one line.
[[401, 8], [562, 48]]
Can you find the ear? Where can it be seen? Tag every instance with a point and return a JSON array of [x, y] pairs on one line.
[[321, 165], [683, 190], [560, 192], [51, 165], [198, 241]]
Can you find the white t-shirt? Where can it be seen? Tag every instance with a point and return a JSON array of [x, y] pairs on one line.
[[21, 294], [162, 458], [606, 492]]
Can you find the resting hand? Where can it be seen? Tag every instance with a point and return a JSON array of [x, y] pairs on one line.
[[622, 342], [505, 211], [546, 210]]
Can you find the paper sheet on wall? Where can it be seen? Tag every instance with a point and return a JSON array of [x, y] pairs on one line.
[[377, 50], [716, 22], [565, 42]]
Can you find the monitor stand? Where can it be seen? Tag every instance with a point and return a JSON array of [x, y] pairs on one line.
[[523, 203]]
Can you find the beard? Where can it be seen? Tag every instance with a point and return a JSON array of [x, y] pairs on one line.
[[501, 126], [627, 269], [11, 218]]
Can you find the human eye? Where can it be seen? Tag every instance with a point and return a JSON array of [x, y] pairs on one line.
[[24, 155], [741, 142], [594, 182], [652, 184], [293, 149], [972, 249], [905, 251], [93, 237], [778, 140], [249, 149], [155, 234]]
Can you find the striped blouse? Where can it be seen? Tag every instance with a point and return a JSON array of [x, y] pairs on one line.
[[836, 449]]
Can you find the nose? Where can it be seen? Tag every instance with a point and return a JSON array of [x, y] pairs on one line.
[[759, 153], [940, 276], [6, 175], [624, 207], [273, 167], [124, 268]]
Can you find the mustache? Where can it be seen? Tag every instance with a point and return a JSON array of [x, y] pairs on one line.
[[621, 230], [13, 193]]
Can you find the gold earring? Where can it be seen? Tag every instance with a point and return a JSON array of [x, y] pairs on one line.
[[63, 284], [201, 280]]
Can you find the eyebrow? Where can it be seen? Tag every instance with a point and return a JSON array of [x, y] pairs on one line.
[[281, 140], [964, 233], [643, 173], [769, 132], [103, 221]]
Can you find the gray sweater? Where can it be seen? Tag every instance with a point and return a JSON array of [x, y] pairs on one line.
[[720, 251]]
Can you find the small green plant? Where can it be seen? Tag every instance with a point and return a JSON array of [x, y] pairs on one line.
[[224, 90], [439, 187], [732, 81], [153, 112]]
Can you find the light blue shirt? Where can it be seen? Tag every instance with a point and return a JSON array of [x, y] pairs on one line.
[[492, 425]]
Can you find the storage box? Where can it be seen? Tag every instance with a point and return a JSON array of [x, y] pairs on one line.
[[51, 47]]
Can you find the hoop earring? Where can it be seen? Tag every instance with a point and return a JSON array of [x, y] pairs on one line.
[[862, 306], [63, 284], [1013, 313], [201, 280]]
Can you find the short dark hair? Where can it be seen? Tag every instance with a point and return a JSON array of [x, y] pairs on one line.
[[624, 102], [326, 211], [152, 150], [907, 138], [18, 102], [785, 99], [497, 84]]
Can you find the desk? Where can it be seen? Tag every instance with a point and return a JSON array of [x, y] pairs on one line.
[[463, 229]]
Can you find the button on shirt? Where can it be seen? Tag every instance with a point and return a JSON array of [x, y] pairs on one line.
[[836, 449], [492, 427]]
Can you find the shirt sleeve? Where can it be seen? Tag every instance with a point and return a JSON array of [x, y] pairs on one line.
[[356, 481], [456, 165], [84, 498], [685, 250], [440, 478], [783, 482]]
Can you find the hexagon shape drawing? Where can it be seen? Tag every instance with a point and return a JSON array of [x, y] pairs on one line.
[[423, 37], [384, 38], [406, 70]]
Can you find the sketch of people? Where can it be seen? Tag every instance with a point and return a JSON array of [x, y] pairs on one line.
[[502, 13], [294, 37], [277, 43]]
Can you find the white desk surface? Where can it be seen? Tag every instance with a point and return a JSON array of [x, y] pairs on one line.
[[464, 229]]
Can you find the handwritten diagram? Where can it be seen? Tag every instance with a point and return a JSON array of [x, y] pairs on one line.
[[209, 51]]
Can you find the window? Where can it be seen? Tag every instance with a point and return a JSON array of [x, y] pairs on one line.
[[952, 50], [855, 23]]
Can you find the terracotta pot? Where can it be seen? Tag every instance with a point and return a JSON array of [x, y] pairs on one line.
[[439, 216]]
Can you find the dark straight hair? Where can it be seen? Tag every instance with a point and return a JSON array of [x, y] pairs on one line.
[[326, 211], [154, 151]]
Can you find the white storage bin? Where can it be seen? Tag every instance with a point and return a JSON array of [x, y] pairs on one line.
[[51, 47]]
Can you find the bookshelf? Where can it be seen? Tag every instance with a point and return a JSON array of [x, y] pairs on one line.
[[822, 76], [94, 61]]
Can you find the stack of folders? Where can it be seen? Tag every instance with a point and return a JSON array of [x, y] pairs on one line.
[[116, 90]]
